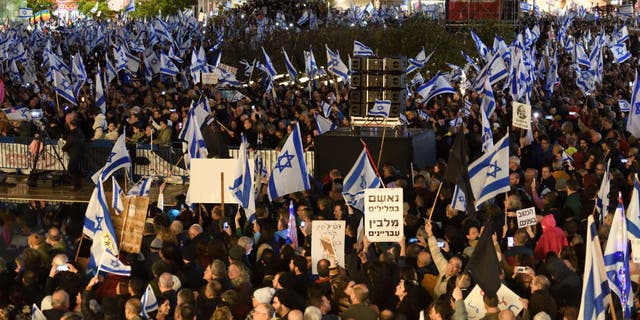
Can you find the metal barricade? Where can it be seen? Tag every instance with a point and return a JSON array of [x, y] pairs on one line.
[[270, 156], [15, 155]]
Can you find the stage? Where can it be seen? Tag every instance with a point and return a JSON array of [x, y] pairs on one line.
[[16, 189]]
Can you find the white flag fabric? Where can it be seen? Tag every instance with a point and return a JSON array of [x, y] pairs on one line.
[[324, 124], [360, 177], [196, 146], [616, 261], [595, 290], [289, 173], [633, 120], [149, 302], [17, 113], [242, 187], [459, 200], [489, 174], [361, 50], [141, 188], [167, 67], [336, 66], [116, 196], [118, 158], [381, 108], [633, 211], [36, 314], [97, 221], [101, 102], [602, 198]]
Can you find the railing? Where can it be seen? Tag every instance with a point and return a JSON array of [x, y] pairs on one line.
[[161, 161]]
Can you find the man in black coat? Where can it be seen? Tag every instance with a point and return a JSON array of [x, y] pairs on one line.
[[74, 148]]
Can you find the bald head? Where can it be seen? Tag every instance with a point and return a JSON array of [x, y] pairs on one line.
[[60, 300], [506, 315], [176, 227], [165, 282], [195, 230]]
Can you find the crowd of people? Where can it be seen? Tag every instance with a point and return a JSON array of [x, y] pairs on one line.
[[209, 262]]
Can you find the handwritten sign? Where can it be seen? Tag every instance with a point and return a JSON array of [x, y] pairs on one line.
[[327, 241], [526, 217], [383, 214], [132, 220], [209, 78], [521, 115], [507, 299]]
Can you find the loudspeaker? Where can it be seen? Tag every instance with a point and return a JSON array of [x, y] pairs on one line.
[[367, 81], [392, 81], [396, 109], [357, 109], [357, 96], [395, 96], [374, 65], [356, 64], [395, 65]]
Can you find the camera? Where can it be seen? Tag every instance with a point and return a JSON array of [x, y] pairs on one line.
[[225, 225], [521, 269], [440, 244], [63, 267], [510, 242], [302, 224]]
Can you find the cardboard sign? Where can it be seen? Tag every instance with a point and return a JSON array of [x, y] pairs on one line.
[[228, 68], [132, 222], [383, 220], [507, 300], [205, 178], [327, 240], [526, 217], [521, 115], [208, 78]]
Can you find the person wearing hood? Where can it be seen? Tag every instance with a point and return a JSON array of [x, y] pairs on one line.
[[552, 239]]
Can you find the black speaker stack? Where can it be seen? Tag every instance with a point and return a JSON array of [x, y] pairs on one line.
[[377, 78]]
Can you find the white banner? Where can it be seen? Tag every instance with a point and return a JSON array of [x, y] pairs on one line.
[[327, 240], [205, 180], [209, 78], [383, 214], [521, 115], [526, 217], [507, 300]]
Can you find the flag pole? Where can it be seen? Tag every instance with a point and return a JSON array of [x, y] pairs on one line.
[[611, 308], [435, 200], [124, 222], [375, 168], [79, 246], [384, 132], [222, 193]]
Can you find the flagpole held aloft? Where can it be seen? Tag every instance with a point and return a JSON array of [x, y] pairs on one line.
[[375, 168], [435, 200]]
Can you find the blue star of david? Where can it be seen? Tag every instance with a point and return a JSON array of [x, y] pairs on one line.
[[24, 113], [66, 85], [461, 198], [363, 182], [154, 61], [619, 50], [110, 157], [99, 223], [287, 157], [495, 168], [115, 263], [380, 108]]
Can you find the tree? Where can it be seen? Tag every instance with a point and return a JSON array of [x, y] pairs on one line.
[[86, 6], [38, 5], [150, 8]]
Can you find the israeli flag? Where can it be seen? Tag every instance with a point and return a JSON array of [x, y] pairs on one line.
[[97, 218], [242, 187], [141, 188], [324, 124], [101, 102], [336, 66], [248, 67], [167, 67], [36, 314], [14, 72], [198, 64], [149, 302], [419, 61], [121, 58], [116, 196], [633, 120], [291, 70], [581, 55], [131, 6], [196, 146], [289, 173], [487, 134], [417, 80], [624, 105], [292, 227], [226, 78], [268, 66], [304, 18], [436, 86], [585, 81], [361, 50], [381, 108], [17, 113], [489, 174], [459, 200], [111, 264], [78, 73], [118, 158], [360, 177], [633, 211], [111, 71], [310, 64], [470, 61], [495, 70], [63, 87], [488, 101], [173, 56], [602, 197], [621, 35], [616, 261], [595, 290], [483, 51], [620, 53]]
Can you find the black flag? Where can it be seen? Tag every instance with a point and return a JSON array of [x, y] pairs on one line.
[[483, 265], [457, 172]]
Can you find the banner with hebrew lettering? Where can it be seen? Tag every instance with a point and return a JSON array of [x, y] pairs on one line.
[[383, 214], [327, 242]]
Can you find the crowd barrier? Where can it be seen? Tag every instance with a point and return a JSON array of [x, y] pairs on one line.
[[161, 161]]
